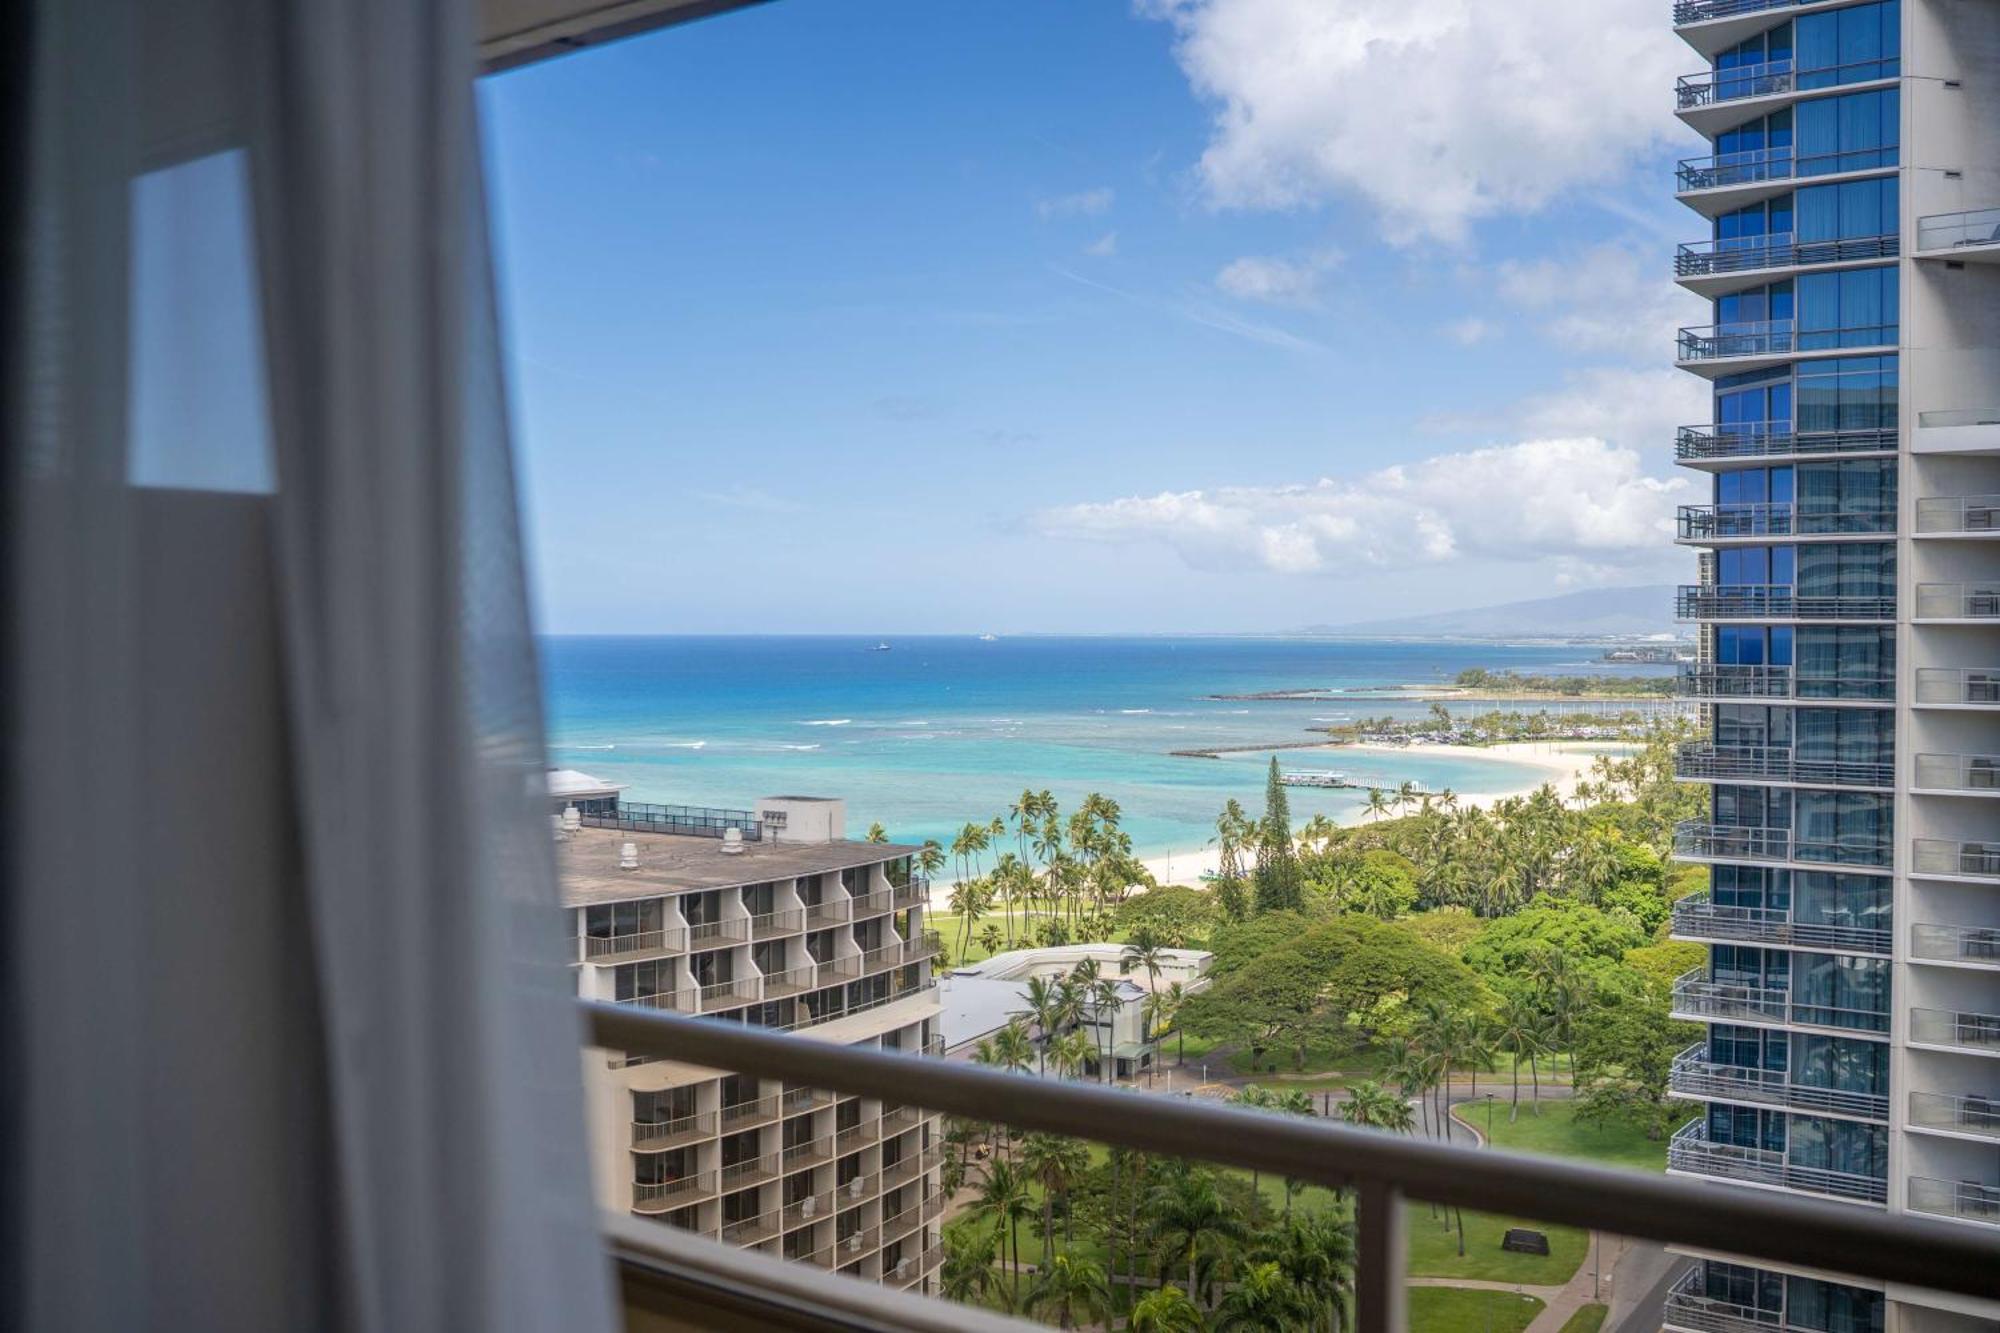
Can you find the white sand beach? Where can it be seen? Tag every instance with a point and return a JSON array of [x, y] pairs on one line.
[[1563, 763]]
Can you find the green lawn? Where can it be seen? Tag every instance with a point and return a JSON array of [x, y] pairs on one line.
[[1458, 1310], [1556, 1132], [1587, 1319], [1434, 1249]]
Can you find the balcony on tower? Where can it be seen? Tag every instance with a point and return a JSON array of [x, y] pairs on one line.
[[1698, 840], [1783, 602], [1703, 525], [1699, 917], [1698, 998], [1692, 1152], [1728, 442], [1696, 1077], [1708, 761], [1769, 682]]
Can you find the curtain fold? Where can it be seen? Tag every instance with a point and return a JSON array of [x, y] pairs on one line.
[[294, 1038]]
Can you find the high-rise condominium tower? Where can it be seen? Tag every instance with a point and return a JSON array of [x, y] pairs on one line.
[[1848, 606], [773, 918]]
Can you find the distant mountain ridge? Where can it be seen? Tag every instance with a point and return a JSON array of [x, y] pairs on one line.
[[1607, 612]]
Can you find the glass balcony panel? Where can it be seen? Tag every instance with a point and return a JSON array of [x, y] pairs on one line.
[[1958, 685], [1971, 514], [1956, 944], [659, 1135], [1705, 760], [1712, 522], [1690, 1150], [1689, 1306], [1780, 601], [1959, 772], [1772, 78], [1966, 1200], [1948, 231], [1961, 1115], [1776, 164], [1763, 439], [1697, 916], [1695, 1076], [1966, 860], [1951, 1027], [1721, 681], [1729, 842], [1702, 999], [1958, 601]]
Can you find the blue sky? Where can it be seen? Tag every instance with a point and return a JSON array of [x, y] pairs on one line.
[[891, 316]]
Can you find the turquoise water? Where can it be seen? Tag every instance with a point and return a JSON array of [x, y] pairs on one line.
[[938, 731]]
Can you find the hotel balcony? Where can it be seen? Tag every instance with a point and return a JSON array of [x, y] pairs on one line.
[[687, 820], [791, 981], [1780, 602], [637, 945], [1972, 236], [1695, 917], [1739, 441], [1946, 858], [1705, 524], [1713, 99], [1958, 687], [805, 1210], [1695, 1078], [1715, 681], [773, 924], [909, 1168], [856, 1137], [1697, 841], [1727, 349], [1690, 1309], [660, 1135], [1948, 1113], [1690, 1152], [1960, 1200], [751, 1230], [1958, 774], [749, 1114], [1705, 761], [811, 1153], [873, 904], [1700, 1000], [928, 944], [731, 994], [899, 1225], [759, 1170], [917, 893], [724, 934], [1952, 1029], [1963, 432], [803, 1101], [828, 912], [1959, 516], [1950, 602], [915, 1270], [1966, 946], [1721, 182], [664, 1196], [682, 1001]]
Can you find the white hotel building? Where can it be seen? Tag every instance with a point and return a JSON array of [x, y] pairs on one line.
[[769, 917]]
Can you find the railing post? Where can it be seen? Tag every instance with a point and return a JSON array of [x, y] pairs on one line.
[[1381, 1260]]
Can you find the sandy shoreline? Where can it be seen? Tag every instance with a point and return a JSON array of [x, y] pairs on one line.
[[1564, 763]]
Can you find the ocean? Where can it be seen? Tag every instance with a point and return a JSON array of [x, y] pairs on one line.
[[936, 731]]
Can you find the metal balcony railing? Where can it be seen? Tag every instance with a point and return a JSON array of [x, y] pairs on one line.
[[750, 1230], [687, 820], [1695, 1076], [1958, 772], [1958, 685], [1765, 681], [1962, 1115], [1381, 1171], [1958, 601], [807, 1209], [751, 1171], [1699, 11], [903, 1223], [1952, 1027], [1967, 1200], [927, 944], [803, 1101], [719, 934], [876, 960], [1779, 601], [791, 981], [828, 912], [906, 1169], [1700, 999], [1775, 164], [916, 893], [1691, 1150], [1973, 515], [897, 1119], [731, 994], [680, 1001], [853, 1138], [1699, 523], [1771, 78], [1956, 944], [1731, 842], [916, 1268], [1963, 860], [607, 948], [1696, 917], [1765, 439], [1949, 231], [786, 921], [666, 1195], [813, 1152], [858, 1243], [659, 1135], [874, 904], [1755, 337], [1707, 761], [743, 1115], [1720, 681], [1950, 417]]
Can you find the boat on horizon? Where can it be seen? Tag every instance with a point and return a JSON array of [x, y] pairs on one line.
[[879, 648]]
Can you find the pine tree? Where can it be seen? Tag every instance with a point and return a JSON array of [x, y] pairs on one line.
[[1277, 877]]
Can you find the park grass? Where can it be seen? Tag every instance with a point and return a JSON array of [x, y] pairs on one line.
[[1434, 1249], [1557, 1133], [1587, 1319], [1464, 1310]]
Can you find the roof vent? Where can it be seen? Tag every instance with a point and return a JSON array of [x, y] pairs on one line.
[[628, 856], [572, 820], [732, 841]]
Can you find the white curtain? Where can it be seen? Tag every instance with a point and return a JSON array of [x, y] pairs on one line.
[[289, 1041]]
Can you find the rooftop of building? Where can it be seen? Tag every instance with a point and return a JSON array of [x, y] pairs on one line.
[[587, 861]]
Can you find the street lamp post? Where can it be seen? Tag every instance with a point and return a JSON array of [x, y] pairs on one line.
[[1489, 1120]]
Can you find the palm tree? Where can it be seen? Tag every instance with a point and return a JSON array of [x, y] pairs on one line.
[[1165, 1310], [930, 857], [1316, 1251], [1189, 1218], [1254, 1098], [1045, 1011], [1263, 1298], [967, 1275], [989, 938], [1157, 1015], [1144, 949], [1004, 1198], [1176, 1001], [1522, 1031], [876, 833], [1378, 804], [1104, 994], [1056, 1164], [1073, 1053], [1373, 1106], [1071, 1291]]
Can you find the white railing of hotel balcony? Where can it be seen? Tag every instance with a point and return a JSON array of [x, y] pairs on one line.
[[1384, 1171]]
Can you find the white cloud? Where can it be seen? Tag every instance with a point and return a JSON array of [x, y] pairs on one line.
[[1277, 281], [1608, 298], [1104, 246], [1438, 112], [1084, 204], [1468, 331], [1582, 502], [1636, 409], [750, 499]]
